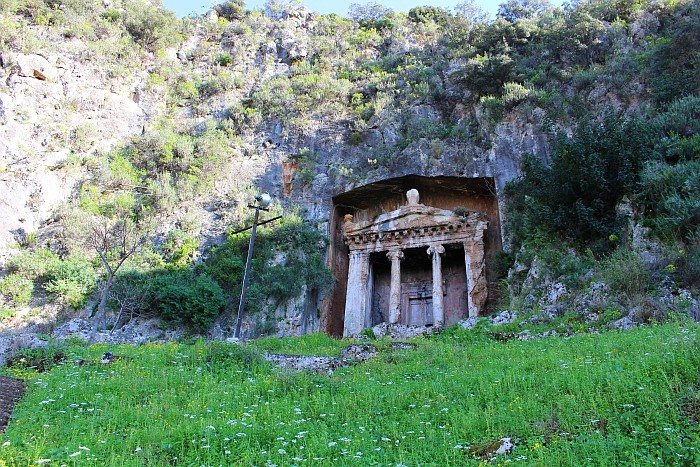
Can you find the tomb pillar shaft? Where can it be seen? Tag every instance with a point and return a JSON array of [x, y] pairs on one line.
[[477, 287], [396, 256], [473, 312], [438, 307], [356, 298]]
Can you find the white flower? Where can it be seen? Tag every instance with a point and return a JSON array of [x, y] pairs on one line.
[[331, 444], [76, 453], [42, 461], [138, 449], [282, 451]]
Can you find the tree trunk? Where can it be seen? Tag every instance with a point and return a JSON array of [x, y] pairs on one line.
[[100, 318]]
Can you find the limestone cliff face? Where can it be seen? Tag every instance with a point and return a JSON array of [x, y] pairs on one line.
[[63, 109], [56, 107], [59, 104]]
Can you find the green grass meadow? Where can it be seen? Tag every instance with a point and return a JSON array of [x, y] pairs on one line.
[[614, 398]]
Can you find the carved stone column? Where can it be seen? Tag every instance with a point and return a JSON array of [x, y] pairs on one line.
[[438, 307], [356, 296], [477, 287], [471, 310], [396, 256]]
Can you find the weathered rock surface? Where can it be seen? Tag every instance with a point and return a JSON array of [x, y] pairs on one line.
[[54, 105]]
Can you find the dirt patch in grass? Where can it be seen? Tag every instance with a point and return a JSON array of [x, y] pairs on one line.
[[11, 390]]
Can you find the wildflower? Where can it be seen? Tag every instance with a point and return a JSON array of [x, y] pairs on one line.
[[282, 451], [42, 461], [331, 444], [75, 454], [138, 449]]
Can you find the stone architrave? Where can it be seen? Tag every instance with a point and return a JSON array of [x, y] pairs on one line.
[[411, 226], [396, 256], [356, 296], [436, 251]]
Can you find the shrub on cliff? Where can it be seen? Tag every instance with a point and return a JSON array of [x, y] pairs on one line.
[[576, 195]]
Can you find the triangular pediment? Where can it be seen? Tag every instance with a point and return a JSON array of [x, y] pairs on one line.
[[415, 216]]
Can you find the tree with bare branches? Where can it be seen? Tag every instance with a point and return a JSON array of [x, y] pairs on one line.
[[114, 241]]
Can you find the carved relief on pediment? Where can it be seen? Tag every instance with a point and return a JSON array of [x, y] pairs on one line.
[[413, 224]]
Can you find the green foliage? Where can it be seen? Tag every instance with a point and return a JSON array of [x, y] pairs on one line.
[[112, 15], [72, 281], [41, 359], [671, 195], [33, 265], [232, 10], [625, 398], [224, 59], [307, 90], [425, 14], [288, 257], [688, 267], [7, 313], [679, 125], [513, 10], [218, 356], [486, 74], [590, 173], [152, 28], [625, 271], [673, 69], [310, 344], [306, 168], [179, 248], [17, 289], [184, 298], [371, 16]]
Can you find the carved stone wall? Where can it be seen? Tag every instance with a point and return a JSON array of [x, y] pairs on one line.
[[387, 232], [414, 298]]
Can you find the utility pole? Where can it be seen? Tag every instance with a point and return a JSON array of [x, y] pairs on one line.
[[262, 201]]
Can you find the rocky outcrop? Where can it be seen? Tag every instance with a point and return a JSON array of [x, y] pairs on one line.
[[55, 107]]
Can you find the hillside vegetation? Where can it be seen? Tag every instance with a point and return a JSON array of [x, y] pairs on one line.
[[606, 92], [592, 399]]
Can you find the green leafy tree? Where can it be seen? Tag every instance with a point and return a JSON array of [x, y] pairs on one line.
[[513, 10], [152, 27], [591, 171], [232, 10], [185, 298]]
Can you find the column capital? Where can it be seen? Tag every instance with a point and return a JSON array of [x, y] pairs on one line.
[[436, 248], [358, 253], [395, 255]]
